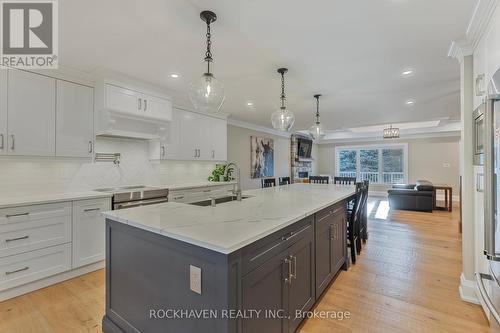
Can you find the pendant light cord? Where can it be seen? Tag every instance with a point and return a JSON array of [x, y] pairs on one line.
[[317, 109], [283, 97], [208, 54]]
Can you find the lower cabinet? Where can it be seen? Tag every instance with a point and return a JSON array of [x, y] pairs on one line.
[[89, 231], [330, 245], [282, 288]]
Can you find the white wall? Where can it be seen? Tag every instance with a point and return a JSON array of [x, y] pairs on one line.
[[425, 160], [238, 150], [51, 174]]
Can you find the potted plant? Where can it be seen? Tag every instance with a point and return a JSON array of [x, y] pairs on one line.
[[218, 173]]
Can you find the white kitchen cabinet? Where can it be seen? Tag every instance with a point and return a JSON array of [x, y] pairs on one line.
[[194, 136], [218, 135], [155, 107], [74, 120], [3, 111], [89, 231], [30, 266], [168, 146], [137, 104], [31, 114], [123, 100]]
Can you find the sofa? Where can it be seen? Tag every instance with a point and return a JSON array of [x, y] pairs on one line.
[[418, 196]]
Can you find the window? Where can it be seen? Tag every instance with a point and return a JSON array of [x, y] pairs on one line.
[[377, 164]]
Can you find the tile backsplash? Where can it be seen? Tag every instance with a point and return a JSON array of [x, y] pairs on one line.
[[61, 174]]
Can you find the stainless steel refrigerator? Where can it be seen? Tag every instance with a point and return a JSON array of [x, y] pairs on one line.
[[489, 284]]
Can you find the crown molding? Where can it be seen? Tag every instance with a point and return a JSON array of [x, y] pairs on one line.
[[448, 134], [258, 128], [480, 20], [460, 49], [478, 26]]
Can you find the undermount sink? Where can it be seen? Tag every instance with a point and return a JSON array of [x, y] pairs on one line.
[[208, 202]]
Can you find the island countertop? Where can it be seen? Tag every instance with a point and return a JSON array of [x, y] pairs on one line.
[[231, 226]]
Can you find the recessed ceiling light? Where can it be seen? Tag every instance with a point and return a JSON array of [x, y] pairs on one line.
[[407, 72], [410, 102], [249, 103], [175, 76]]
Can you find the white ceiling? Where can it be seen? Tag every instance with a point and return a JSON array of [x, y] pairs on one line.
[[352, 52]]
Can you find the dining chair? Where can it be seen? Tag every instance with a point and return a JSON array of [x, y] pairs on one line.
[[344, 180], [353, 222], [319, 179], [268, 182], [284, 181]]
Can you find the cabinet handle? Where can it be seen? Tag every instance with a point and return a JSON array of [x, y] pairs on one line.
[[16, 239], [12, 144], [91, 147], [178, 198], [17, 270], [162, 151], [213, 153], [196, 153], [14, 215], [294, 261], [140, 103], [289, 278], [91, 210], [1, 142], [145, 104]]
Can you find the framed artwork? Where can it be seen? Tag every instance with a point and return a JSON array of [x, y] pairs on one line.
[[261, 157]]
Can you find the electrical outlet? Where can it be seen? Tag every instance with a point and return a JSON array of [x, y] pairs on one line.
[[195, 279]]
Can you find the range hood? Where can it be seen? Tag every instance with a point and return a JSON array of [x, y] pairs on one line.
[[115, 124], [125, 110]]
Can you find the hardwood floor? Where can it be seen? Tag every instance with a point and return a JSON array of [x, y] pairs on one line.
[[406, 280]]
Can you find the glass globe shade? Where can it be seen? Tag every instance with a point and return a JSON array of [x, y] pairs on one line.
[[207, 93], [317, 131], [282, 120]]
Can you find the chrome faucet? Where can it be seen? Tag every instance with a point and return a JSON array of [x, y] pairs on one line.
[[237, 191]]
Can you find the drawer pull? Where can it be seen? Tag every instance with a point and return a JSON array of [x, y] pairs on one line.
[[14, 215], [17, 270], [91, 210], [178, 198], [207, 191], [16, 239]]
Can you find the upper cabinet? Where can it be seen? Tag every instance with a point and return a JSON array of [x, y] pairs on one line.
[[43, 116], [74, 120], [218, 143], [125, 111], [31, 114], [192, 136], [137, 104], [3, 111]]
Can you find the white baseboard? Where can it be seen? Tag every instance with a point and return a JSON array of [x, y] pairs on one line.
[[48, 281], [467, 290]]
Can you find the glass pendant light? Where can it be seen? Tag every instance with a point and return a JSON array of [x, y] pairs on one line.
[[282, 119], [207, 93], [316, 130]]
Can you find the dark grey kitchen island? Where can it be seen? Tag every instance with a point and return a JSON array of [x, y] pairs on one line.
[[244, 266]]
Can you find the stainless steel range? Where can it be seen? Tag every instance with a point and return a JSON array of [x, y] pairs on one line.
[[135, 196]]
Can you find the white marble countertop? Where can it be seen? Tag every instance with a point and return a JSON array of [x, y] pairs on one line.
[[12, 198], [233, 225]]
